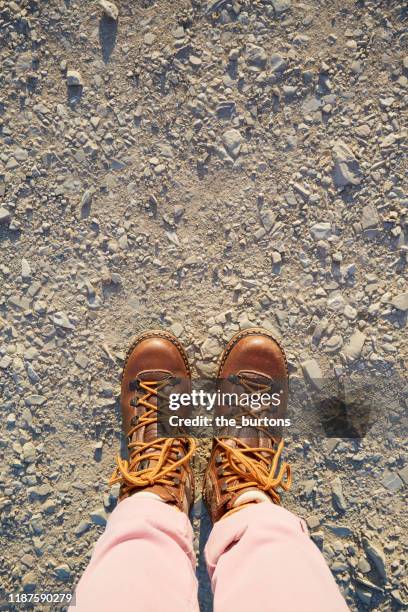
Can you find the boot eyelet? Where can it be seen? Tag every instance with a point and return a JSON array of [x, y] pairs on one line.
[[133, 385]]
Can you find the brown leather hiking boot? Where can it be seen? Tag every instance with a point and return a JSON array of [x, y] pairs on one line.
[[155, 361], [252, 362]]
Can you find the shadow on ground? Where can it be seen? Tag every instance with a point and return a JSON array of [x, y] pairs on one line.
[[204, 586], [108, 29]]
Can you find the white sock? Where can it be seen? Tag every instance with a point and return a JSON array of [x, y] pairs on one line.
[[249, 496], [148, 495]]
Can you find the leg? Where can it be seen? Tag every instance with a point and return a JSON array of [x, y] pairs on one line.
[[262, 558], [259, 555], [145, 556], [144, 560]]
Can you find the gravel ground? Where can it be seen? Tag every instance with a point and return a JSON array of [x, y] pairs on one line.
[[201, 167]]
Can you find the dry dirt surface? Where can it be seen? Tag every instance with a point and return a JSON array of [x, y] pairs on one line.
[[202, 167]]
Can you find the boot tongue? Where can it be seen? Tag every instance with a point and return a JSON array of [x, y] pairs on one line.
[[255, 377], [236, 383], [258, 383], [153, 375], [149, 433]]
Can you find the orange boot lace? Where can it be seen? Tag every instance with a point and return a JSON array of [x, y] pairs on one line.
[[162, 456], [259, 467]]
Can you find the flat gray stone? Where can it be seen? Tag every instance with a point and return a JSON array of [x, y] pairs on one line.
[[35, 400], [369, 217], [333, 344], [25, 269], [401, 302], [86, 200], [363, 565], [320, 231], [281, 6], [342, 531], [63, 572], [277, 62], [61, 320], [99, 516], [376, 556], [109, 9], [82, 527], [5, 362], [210, 348], [312, 372], [74, 78], [397, 597], [268, 218], [392, 482], [232, 140], [29, 582], [313, 521], [149, 38], [355, 345], [81, 360], [336, 302], [256, 56], [403, 474], [29, 452], [338, 495], [4, 215], [346, 167], [311, 104]]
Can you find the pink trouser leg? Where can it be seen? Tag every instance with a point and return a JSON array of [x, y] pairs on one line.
[[144, 561], [261, 558]]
